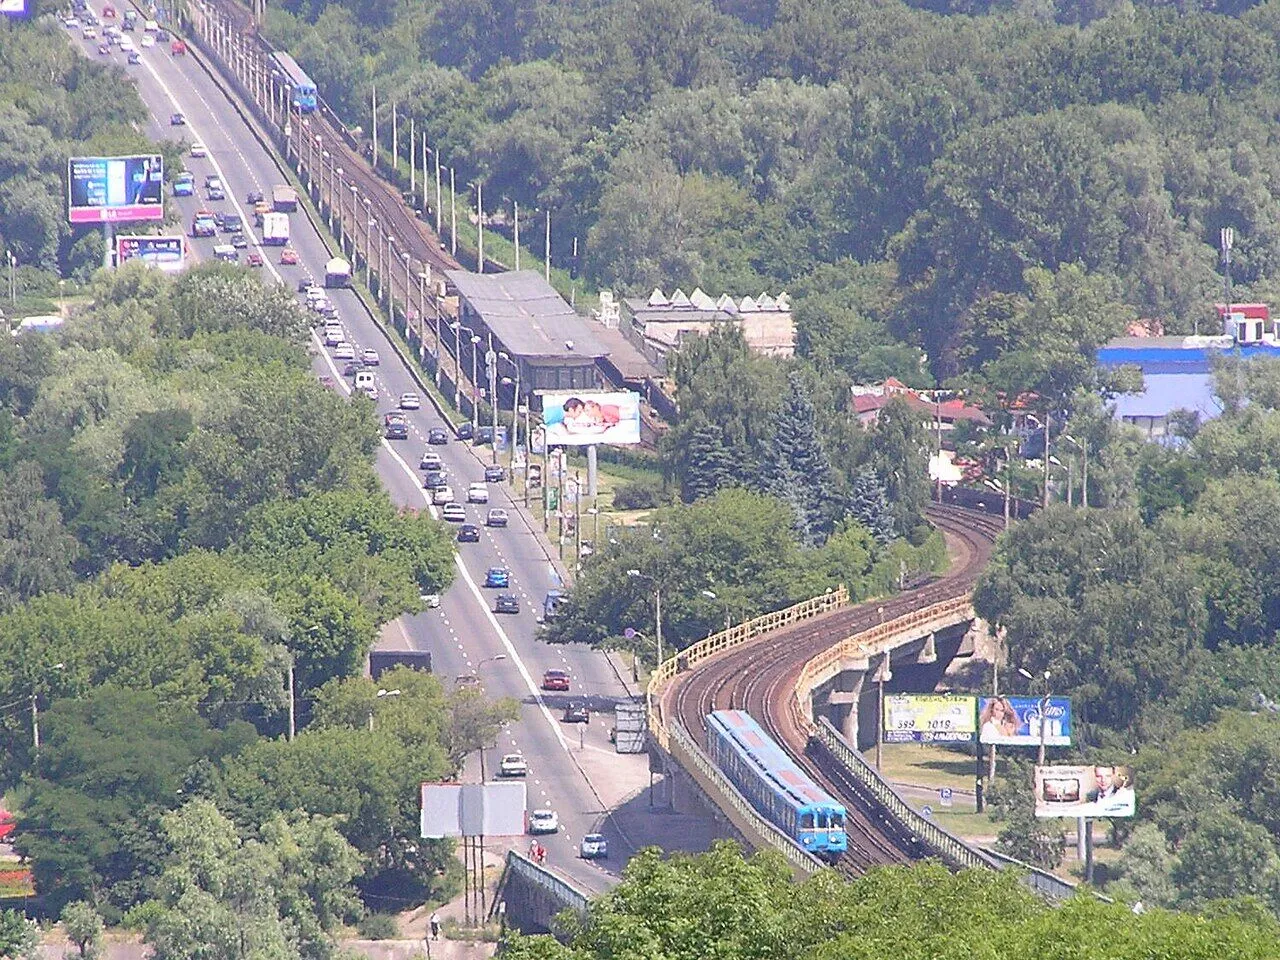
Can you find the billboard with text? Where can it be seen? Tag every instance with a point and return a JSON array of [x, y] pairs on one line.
[[915, 718], [164, 253], [1016, 721], [583, 419], [115, 189], [1071, 791]]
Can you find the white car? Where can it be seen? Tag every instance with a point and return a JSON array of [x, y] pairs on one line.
[[430, 461], [453, 513], [594, 847], [432, 600], [478, 493], [199, 150], [71, 22], [513, 765], [442, 496], [544, 821], [369, 357], [151, 26], [410, 401], [89, 33], [148, 40], [333, 335], [344, 351], [126, 45]]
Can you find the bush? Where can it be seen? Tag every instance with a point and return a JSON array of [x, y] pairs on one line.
[[637, 496], [379, 926]]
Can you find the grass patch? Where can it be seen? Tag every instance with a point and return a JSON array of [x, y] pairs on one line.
[[927, 765], [16, 881]]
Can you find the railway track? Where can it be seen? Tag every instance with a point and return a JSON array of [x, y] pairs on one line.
[[760, 677]]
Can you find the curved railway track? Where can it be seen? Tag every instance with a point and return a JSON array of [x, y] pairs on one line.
[[760, 677]]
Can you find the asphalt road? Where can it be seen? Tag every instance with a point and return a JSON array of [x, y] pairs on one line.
[[572, 768]]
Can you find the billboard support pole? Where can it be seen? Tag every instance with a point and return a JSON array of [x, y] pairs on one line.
[[1083, 829], [107, 245], [592, 478], [1088, 850]]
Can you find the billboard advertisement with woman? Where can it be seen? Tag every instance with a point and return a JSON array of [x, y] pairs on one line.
[[583, 419], [1016, 721]]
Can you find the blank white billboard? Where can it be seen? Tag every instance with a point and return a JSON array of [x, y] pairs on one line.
[[472, 810]]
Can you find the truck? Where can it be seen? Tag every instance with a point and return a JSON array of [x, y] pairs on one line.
[[337, 273], [284, 199], [204, 224], [275, 229]]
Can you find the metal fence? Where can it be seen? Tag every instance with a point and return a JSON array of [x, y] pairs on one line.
[[947, 846], [727, 639]]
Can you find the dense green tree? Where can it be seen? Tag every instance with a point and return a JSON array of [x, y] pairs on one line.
[[794, 467], [110, 765], [84, 928], [869, 505], [19, 937], [281, 895], [701, 460]]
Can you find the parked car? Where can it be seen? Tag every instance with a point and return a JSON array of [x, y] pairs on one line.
[[497, 518], [468, 533], [453, 513], [543, 821], [556, 680], [463, 430], [498, 577], [577, 713], [513, 765], [506, 603], [494, 473], [437, 436], [594, 847]]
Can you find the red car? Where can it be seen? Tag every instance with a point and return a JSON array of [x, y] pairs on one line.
[[288, 257], [178, 48], [555, 680], [254, 260]]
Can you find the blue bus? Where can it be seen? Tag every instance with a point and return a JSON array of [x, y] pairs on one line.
[[770, 780], [302, 91]]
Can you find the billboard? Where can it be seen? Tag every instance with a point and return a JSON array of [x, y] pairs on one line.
[[472, 810], [166, 253], [115, 189], [1016, 721], [13, 8], [913, 718], [1065, 791], [583, 419]]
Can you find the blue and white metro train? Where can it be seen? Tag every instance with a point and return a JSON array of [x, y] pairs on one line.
[[302, 92], [781, 792]]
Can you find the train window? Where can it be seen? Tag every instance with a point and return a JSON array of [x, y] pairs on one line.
[[837, 820], [822, 818], [806, 820]]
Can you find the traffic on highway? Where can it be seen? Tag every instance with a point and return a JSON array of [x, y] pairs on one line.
[[483, 630]]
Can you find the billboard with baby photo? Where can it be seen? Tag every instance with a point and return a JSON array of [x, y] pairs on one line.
[[582, 419]]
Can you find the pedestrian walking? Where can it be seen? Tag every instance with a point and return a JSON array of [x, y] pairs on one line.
[[435, 926]]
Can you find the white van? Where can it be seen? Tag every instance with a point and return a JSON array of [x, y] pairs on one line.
[[364, 379], [333, 335]]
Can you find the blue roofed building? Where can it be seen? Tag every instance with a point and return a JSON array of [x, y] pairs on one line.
[[1177, 371]]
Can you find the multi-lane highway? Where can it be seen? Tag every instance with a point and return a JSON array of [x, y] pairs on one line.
[[572, 768]]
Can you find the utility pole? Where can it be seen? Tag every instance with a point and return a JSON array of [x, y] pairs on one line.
[[517, 235], [479, 227], [546, 250], [373, 160], [453, 214], [292, 718], [1226, 240]]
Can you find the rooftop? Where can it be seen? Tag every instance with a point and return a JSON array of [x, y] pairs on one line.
[[527, 315]]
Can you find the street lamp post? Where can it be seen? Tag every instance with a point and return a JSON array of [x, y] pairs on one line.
[[1044, 710], [475, 391], [883, 674], [1083, 447], [657, 608], [515, 416], [475, 672], [491, 367], [35, 712], [712, 595], [380, 695]]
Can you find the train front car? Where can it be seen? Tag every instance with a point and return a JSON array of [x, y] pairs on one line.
[[774, 785]]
